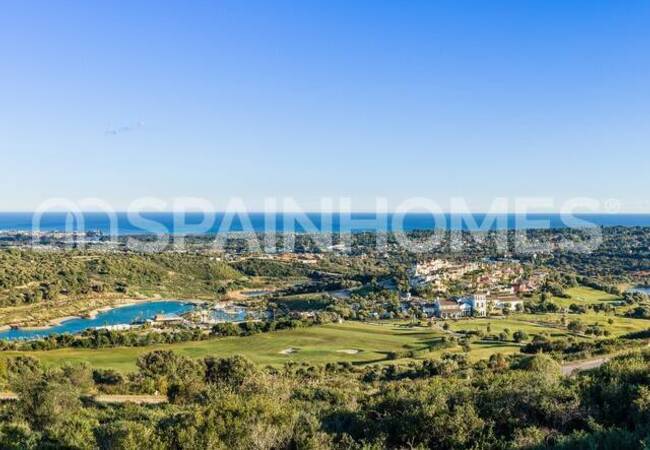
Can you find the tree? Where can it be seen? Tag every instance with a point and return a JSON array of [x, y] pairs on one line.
[[520, 336], [23, 372], [164, 368], [498, 361], [18, 435], [575, 326], [232, 371], [127, 435], [226, 329], [541, 364]]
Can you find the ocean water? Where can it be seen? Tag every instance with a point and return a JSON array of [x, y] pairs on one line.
[[196, 223], [116, 316]]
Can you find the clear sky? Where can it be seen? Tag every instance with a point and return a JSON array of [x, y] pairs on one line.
[[215, 99]]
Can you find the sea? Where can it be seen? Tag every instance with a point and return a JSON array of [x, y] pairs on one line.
[[220, 222]]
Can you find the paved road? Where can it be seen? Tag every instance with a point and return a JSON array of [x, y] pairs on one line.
[[578, 366]]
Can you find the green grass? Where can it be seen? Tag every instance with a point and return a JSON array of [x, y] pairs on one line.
[[374, 341], [587, 296], [620, 325], [519, 322], [484, 349], [584, 296], [314, 344]]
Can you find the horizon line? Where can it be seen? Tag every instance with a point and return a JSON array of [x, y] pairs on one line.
[[608, 213]]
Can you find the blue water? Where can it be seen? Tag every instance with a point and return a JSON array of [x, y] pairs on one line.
[[235, 316], [168, 223], [116, 316], [642, 290]]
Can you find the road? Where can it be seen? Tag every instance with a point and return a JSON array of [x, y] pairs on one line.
[[573, 367], [6, 396], [137, 399]]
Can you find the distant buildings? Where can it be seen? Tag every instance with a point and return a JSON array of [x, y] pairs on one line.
[[438, 272], [495, 284], [477, 305], [167, 320]]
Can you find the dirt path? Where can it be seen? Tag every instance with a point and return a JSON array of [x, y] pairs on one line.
[[448, 331], [137, 399], [6, 396]]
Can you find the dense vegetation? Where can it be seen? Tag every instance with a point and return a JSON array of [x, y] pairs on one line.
[[269, 268], [398, 397], [230, 403], [30, 276]]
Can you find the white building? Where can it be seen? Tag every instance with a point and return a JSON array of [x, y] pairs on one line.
[[477, 303]]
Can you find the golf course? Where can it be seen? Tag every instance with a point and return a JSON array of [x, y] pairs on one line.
[[356, 342]]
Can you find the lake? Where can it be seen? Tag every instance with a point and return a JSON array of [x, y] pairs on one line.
[[117, 316]]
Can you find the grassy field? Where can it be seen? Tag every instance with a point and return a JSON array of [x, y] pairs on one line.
[[619, 326], [362, 343], [519, 322], [584, 296], [355, 342], [315, 344]]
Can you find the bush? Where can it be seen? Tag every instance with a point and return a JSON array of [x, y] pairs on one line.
[[520, 336]]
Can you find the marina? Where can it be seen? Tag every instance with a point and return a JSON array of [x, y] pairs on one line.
[[159, 314]]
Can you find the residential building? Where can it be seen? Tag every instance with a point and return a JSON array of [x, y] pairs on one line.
[[450, 309], [477, 304]]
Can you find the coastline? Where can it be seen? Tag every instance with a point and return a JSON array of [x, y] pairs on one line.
[[93, 313], [21, 222]]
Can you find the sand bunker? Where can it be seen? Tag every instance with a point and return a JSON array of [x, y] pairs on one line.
[[288, 351], [349, 351]]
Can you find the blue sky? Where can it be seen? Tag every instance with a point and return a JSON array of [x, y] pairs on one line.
[[215, 99]]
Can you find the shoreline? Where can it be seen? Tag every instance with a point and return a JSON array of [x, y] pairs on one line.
[[93, 313]]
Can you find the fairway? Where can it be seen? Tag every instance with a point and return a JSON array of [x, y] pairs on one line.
[[584, 296], [496, 325], [355, 342]]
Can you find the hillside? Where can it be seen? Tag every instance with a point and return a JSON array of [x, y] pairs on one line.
[[28, 277]]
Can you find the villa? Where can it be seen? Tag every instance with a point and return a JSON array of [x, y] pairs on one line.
[[463, 307], [476, 303], [450, 309]]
